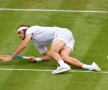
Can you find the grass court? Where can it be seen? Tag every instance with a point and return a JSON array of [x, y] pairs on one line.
[[88, 21]]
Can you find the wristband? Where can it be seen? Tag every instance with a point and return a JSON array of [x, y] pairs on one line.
[[38, 59]]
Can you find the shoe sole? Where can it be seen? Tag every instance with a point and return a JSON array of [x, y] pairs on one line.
[[66, 70]]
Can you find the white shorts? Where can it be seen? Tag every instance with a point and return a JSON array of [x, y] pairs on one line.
[[66, 36]]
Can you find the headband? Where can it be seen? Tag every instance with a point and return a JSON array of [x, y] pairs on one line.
[[21, 28]]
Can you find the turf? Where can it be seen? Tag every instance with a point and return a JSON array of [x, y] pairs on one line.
[[90, 32]]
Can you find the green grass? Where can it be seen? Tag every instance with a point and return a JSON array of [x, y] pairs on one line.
[[90, 32]]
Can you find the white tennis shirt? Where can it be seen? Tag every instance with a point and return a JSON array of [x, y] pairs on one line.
[[42, 36]]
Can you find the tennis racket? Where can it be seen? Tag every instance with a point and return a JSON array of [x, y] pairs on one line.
[[6, 54]]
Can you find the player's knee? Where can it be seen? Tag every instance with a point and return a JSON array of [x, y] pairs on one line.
[[64, 56], [50, 53]]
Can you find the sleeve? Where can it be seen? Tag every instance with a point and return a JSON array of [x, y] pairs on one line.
[[32, 29]]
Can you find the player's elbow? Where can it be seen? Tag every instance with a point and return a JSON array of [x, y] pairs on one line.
[[23, 47]]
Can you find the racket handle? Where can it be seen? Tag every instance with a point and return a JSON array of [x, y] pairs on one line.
[[25, 57]]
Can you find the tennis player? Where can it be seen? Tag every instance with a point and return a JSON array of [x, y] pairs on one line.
[[61, 41]]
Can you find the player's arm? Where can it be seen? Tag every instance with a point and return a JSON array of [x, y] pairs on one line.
[[20, 48], [44, 57], [23, 45]]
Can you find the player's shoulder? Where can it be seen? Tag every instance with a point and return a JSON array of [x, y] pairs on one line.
[[32, 29]]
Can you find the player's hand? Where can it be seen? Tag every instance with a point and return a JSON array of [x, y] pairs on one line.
[[32, 59], [7, 59]]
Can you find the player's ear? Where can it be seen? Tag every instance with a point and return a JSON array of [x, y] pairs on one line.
[[24, 31]]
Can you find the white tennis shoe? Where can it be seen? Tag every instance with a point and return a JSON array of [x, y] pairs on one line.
[[95, 67], [61, 69]]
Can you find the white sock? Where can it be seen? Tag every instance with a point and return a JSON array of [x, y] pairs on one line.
[[87, 67], [61, 63], [38, 59]]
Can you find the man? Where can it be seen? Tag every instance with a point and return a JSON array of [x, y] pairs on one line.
[[61, 41]]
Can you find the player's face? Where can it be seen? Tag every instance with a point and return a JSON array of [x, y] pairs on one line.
[[21, 34]]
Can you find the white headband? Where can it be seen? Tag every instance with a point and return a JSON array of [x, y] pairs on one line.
[[21, 28]]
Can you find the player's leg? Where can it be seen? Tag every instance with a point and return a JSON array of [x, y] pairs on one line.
[[67, 58], [65, 54], [56, 47]]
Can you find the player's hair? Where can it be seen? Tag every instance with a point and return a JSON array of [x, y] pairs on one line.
[[23, 26]]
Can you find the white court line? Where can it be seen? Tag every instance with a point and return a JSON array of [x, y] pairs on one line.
[[40, 70], [52, 10]]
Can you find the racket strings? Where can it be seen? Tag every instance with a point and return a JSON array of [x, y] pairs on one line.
[[4, 55]]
